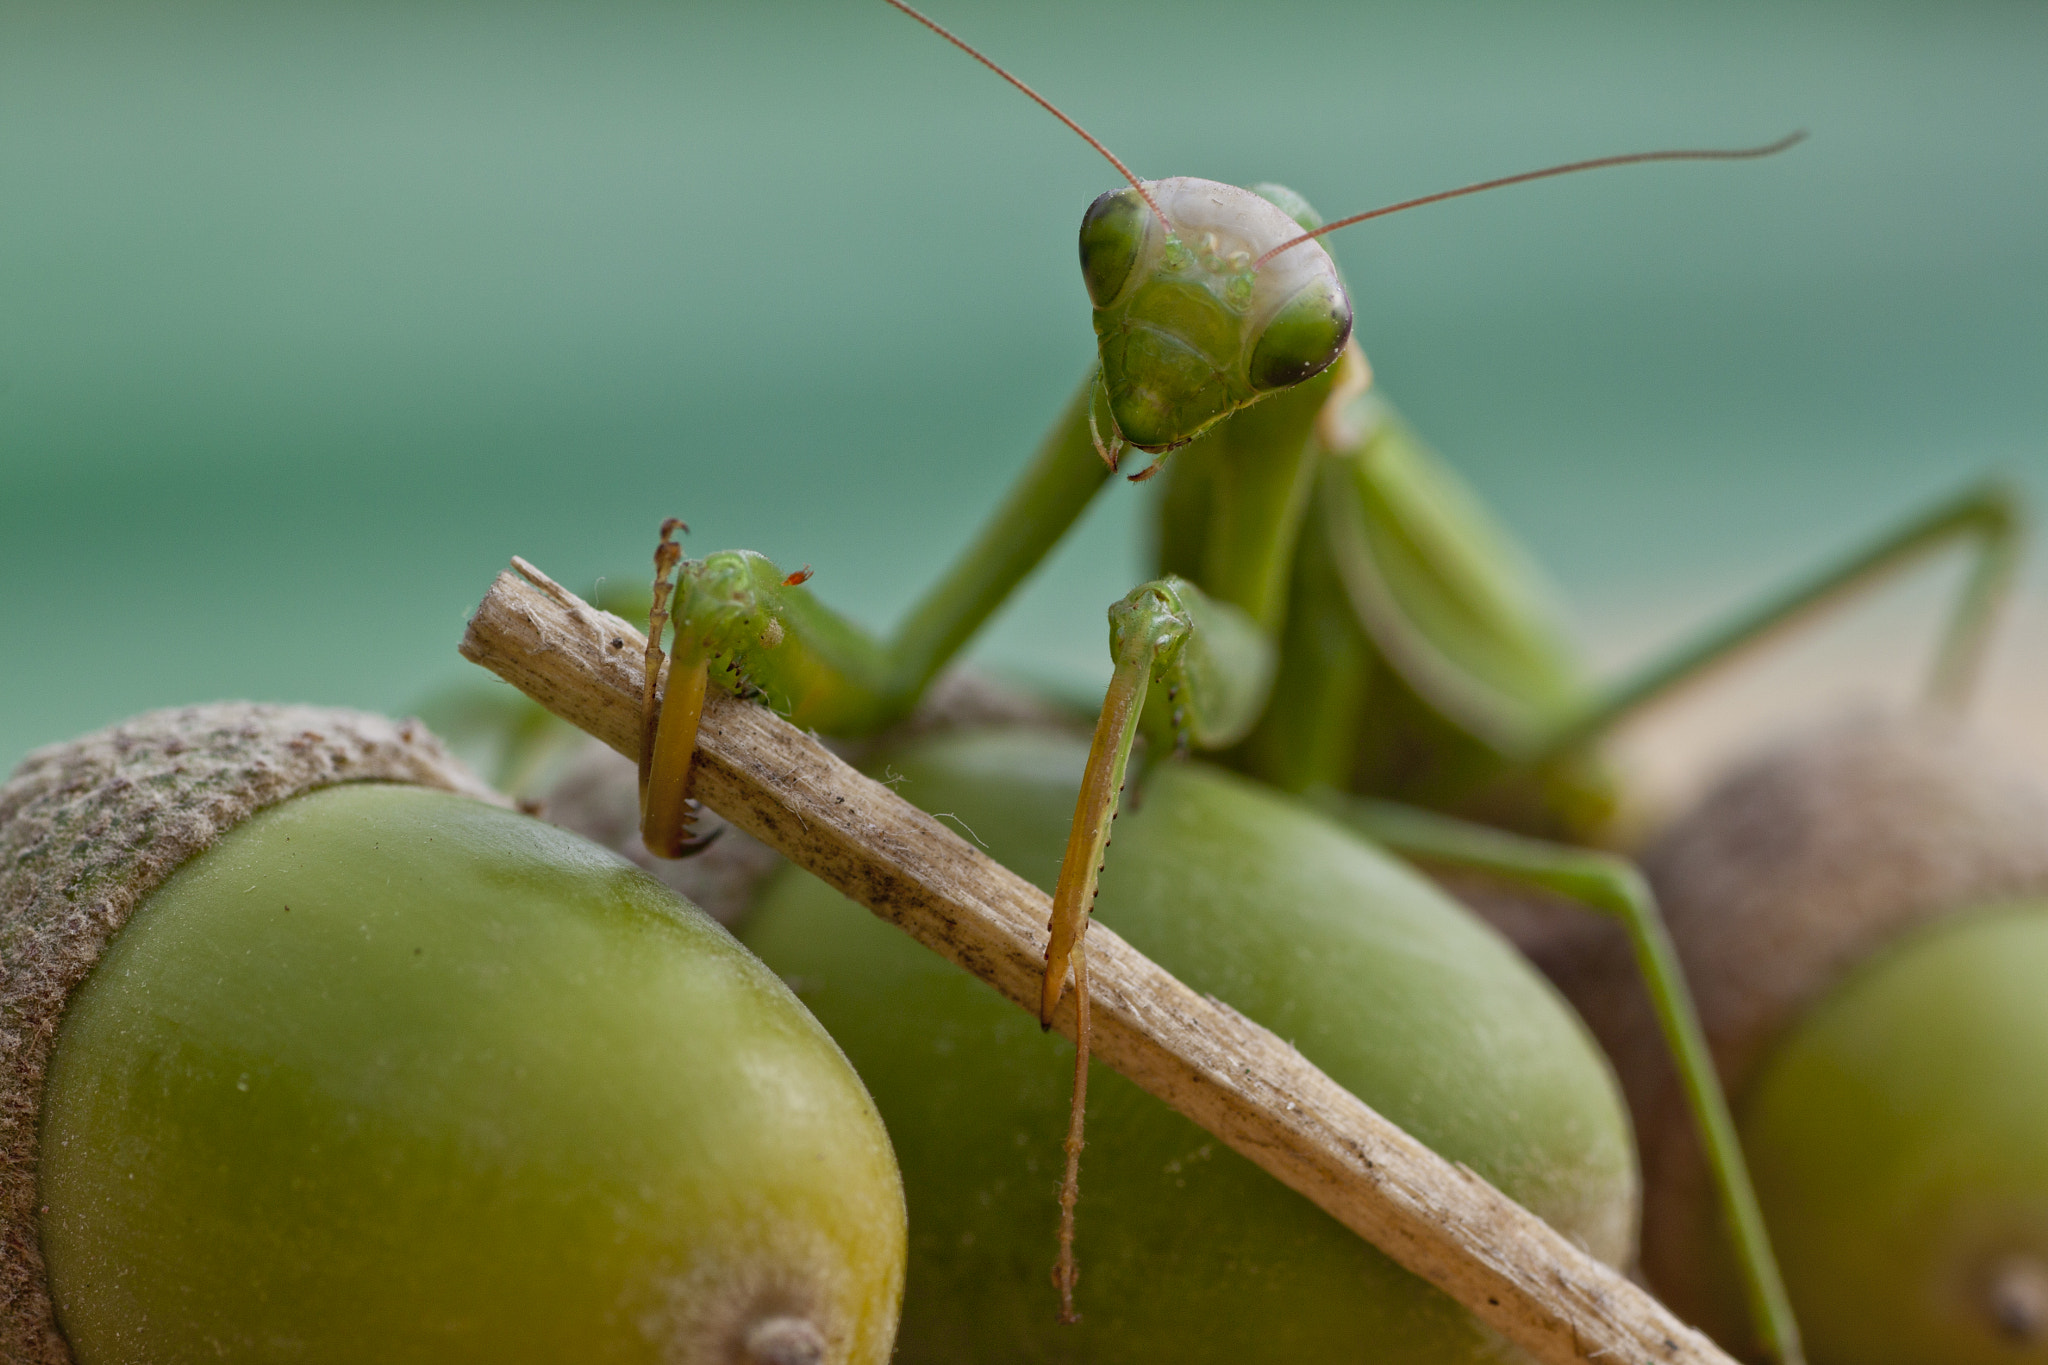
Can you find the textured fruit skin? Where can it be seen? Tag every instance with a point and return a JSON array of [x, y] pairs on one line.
[[482, 1093], [1899, 1138], [1822, 856], [1188, 1252]]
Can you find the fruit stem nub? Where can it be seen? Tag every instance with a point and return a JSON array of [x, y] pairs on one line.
[[2016, 1299], [784, 1339]]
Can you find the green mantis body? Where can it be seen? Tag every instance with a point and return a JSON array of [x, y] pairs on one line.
[[1334, 615]]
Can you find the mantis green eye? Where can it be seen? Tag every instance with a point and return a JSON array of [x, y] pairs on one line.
[[1303, 338], [1112, 233]]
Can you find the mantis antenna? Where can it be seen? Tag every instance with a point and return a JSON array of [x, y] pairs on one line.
[[1568, 168], [1043, 103]]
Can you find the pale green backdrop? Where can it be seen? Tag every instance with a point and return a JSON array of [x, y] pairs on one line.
[[312, 313]]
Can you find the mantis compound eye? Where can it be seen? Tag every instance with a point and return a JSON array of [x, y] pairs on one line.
[[1303, 337], [1112, 233]]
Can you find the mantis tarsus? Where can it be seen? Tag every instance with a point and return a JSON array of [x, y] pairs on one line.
[[1333, 616]]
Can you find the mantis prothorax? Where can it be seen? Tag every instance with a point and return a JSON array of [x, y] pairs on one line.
[[1335, 614]]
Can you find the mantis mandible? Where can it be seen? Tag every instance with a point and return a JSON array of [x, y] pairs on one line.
[[1333, 615]]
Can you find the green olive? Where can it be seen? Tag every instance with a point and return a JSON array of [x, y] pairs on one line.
[[391, 1074], [1188, 1252]]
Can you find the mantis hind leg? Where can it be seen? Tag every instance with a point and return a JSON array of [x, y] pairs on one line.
[[1612, 887], [1450, 607], [1987, 518]]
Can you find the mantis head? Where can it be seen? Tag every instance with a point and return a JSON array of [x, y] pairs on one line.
[[1193, 321], [1208, 297]]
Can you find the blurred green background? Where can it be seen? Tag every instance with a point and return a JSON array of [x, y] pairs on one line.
[[313, 313]]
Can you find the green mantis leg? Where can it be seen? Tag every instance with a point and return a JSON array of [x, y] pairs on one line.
[[1199, 670], [1611, 886], [668, 731], [1986, 517], [1192, 668], [1446, 601], [751, 627], [742, 624], [1198, 661]]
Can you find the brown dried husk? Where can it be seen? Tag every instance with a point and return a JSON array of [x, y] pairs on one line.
[[88, 830], [1797, 867]]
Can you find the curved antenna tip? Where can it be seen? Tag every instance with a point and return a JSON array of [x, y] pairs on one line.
[[1568, 168]]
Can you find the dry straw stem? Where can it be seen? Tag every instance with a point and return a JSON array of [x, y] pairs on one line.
[[1225, 1072]]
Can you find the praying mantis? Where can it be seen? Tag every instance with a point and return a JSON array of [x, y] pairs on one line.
[[1333, 615]]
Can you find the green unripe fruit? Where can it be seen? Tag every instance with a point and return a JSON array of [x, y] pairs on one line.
[[1900, 1133], [1864, 918], [1188, 1252], [385, 1073]]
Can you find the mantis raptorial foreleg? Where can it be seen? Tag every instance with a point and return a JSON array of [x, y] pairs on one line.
[[1613, 887], [668, 729], [743, 624], [1201, 670]]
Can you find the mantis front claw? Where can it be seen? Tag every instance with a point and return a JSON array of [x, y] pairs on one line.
[[1149, 633], [755, 629], [1211, 671], [669, 720], [666, 810]]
